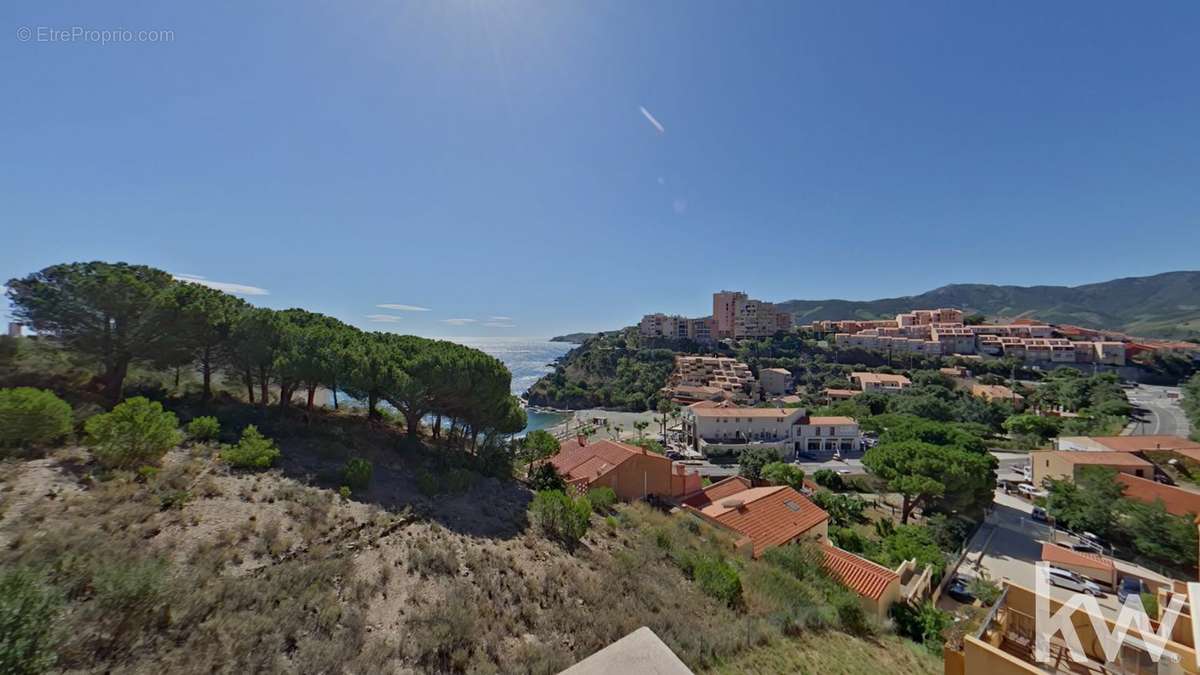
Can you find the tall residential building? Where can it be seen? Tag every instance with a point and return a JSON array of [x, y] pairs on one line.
[[736, 315], [675, 326], [725, 311]]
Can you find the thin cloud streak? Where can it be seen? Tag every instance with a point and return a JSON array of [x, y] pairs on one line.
[[226, 286], [499, 324], [500, 318], [403, 308], [458, 322], [384, 318], [650, 118]]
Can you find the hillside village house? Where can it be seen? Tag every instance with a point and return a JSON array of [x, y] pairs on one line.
[[721, 429], [880, 381], [1124, 443], [1059, 465], [632, 472], [771, 516], [775, 381]]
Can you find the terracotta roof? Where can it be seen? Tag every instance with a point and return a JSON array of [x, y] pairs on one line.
[[1140, 443], [780, 371], [1176, 501], [1061, 555], [880, 377], [713, 404], [576, 462], [768, 516], [718, 490], [849, 393], [1101, 458], [868, 579], [831, 421]]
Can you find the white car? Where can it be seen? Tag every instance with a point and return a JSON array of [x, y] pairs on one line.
[[1073, 582]]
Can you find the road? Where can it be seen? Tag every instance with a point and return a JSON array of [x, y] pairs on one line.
[[1158, 414], [851, 462]]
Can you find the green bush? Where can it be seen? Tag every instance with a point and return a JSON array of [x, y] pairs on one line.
[[136, 432], [204, 429], [357, 473], [922, 624], [719, 579], [560, 516], [253, 451], [602, 499], [31, 416], [828, 478], [28, 609], [782, 473], [545, 477]]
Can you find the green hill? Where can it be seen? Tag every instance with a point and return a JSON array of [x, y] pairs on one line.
[[1164, 305]]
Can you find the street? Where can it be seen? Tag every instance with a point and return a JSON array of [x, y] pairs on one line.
[[1158, 414]]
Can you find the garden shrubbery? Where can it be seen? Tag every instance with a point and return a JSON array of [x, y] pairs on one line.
[[28, 608], [136, 432], [31, 416], [561, 516], [357, 473], [602, 499], [204, 429], [253, 451]]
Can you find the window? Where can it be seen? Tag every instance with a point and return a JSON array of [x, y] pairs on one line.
[[792, 505]]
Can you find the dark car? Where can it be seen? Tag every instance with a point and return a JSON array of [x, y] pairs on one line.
[[672, 454], [1129, 586], [1039, 514], [958, 590]]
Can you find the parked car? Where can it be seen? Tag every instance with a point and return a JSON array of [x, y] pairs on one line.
[[1074, 582], [958, 590], [1129, 586], [1039, 514], [671, 454]]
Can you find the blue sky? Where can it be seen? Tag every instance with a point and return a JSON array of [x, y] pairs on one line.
[[490, 162]]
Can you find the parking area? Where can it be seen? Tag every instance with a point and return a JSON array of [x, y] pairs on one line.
[[1010, 545]]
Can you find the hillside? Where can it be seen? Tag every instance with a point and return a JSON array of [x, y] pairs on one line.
[[1164, 305]]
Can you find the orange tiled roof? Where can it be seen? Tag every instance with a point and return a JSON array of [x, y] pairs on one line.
[[860, 575], [1176, 501], [718, 490], [746, 412], [576, 462], [1101, 458], [832, 421], [768, 516], [879, 377], [1061, 555], [848, 393]]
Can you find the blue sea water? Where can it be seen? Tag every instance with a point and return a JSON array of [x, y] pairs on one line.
[[528, 359]]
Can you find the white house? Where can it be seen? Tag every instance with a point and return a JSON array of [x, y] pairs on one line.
[[717, 430]]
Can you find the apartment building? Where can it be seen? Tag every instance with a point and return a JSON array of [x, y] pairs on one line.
[[719, 430], [737, 315], [675, 326], [880, 381], [896, 345], [775, 381], [925, 317], [1059, 464], [730, 376]]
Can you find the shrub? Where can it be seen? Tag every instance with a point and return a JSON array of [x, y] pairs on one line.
[[31, 416], [719, 579], [136, 432], [985, 589], [358, 473], [752, 460], [345, 492], [560, 516], [602, 499], [253, 451], [538, 444], [204, 429], [545, 477], [782, 473], [28, 609], [922, 624], [828, 478]]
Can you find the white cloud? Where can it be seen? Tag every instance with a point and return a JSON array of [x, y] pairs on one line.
[[226, 286], [500, 318], [403, 308], [384, 318], [650, 118], [458, 322], [499, 324]]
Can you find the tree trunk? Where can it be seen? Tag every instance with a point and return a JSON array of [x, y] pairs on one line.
[[906, 508], [285, 394], [114, 381], [333, 388], [249, 378], [413, 423], [372, 399], [312, 393], [437, 427], [206, 371], [176, 380], [263, 386]]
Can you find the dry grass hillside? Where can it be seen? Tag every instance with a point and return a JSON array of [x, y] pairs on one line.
[[200, 568]]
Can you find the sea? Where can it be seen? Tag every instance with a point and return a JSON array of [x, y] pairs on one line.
[[528, 359]]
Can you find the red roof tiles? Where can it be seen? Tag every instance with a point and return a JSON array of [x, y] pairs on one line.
[[594, 458], [768, 516], [868, 579]]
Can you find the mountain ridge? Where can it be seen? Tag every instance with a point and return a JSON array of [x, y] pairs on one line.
[[1165, 305]]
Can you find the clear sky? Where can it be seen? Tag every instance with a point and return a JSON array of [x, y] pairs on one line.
[[522, 168]]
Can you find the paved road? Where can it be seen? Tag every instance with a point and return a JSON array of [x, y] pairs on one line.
[[851, 462], [1158, 413]]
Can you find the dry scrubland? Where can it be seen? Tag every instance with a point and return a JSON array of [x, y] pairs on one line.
[[198, 568]]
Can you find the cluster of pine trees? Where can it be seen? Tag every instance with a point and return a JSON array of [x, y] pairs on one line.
[[119, 314]]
